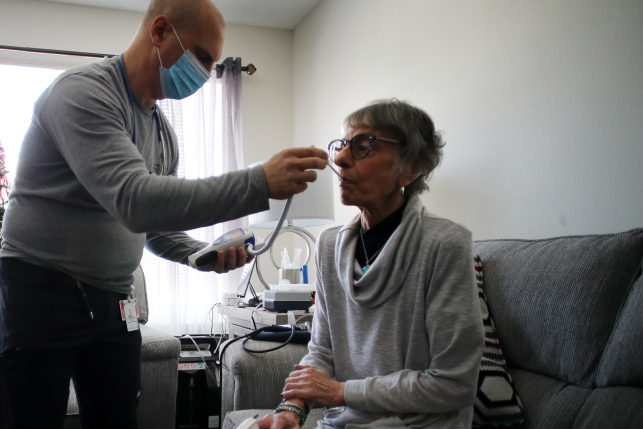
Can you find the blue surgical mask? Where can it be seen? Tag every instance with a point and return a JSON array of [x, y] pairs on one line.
[[184, 78]]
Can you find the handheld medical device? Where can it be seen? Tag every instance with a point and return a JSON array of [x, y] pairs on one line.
[[235, 238], [240, 237], [250, 423]]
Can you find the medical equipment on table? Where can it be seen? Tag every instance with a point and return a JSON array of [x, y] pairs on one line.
[[284, 300]]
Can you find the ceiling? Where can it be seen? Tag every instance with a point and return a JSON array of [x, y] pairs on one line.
[[286, 14]]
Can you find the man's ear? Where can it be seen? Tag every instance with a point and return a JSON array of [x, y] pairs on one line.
[[160, 29]]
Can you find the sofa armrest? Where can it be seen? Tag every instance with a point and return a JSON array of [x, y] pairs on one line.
[[159, 379], [157, 345], [252, 380]]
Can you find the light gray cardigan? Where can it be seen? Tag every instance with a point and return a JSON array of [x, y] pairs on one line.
[[406, 336]]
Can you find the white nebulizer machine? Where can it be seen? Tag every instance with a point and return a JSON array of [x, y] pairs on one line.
[[236, 238]]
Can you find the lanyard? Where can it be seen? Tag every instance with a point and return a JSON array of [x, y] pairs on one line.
[[157, 117]]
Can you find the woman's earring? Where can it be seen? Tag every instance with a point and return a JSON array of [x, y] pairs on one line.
[[402, 190]]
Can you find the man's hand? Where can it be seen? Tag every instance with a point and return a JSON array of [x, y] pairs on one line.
[[283, 420], [286, 171], [314, 385], [228, 261]]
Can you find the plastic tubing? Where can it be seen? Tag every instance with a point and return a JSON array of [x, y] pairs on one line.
[[263, 249]]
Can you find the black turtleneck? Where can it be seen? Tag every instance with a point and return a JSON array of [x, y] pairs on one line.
[[376, 237]]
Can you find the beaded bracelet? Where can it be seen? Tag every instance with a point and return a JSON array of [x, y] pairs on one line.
[[288, 407]]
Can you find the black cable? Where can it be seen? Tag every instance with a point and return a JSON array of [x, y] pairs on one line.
[[225, 346], [250, 336], [254, 334]]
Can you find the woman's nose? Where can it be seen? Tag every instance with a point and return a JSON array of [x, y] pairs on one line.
[[344, 157]]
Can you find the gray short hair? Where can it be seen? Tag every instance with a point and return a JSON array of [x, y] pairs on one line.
[[421, 152]]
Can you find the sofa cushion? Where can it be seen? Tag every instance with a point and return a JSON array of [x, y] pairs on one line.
[[496, 403], [622, 363], [158, 345], [549, 403], [556, 301], [612, 408]]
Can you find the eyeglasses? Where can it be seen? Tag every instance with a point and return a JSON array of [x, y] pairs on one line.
[[360, 145]]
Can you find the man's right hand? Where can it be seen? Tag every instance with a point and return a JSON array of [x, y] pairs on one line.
[[286, 172]]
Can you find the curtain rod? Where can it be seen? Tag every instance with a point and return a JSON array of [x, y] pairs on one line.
[[250, 68]]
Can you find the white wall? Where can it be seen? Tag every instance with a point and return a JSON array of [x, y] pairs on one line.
[[541, 103]]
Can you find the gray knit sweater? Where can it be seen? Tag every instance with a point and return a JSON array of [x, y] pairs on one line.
[[86, 200], [406, 336]]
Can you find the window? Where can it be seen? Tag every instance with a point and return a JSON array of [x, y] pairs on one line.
[[20, 87]]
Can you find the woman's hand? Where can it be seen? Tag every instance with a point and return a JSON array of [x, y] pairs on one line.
[[314, 385], [282, 420]]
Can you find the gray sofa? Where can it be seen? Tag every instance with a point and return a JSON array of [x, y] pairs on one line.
[[568, 313], [159, 372]]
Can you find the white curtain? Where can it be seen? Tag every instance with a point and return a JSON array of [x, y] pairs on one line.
[[208, 127]]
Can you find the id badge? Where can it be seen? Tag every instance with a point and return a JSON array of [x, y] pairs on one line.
[[129, 313]]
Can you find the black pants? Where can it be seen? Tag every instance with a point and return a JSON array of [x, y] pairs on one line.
[[48, 337]]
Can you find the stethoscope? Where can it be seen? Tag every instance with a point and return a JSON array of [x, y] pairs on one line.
[[157, 118]]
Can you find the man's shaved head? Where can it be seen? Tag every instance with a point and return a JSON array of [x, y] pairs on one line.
[[182, 13], [169, 29]]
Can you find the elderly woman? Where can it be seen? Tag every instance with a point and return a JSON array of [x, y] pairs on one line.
[[397, 336]]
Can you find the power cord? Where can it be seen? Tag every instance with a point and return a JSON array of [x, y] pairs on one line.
[[213, 378], [252, 315], [214, 353], [210, 315], [234, 340], [224, 325]]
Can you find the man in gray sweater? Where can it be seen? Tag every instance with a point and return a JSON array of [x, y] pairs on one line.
[[96, 183]]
